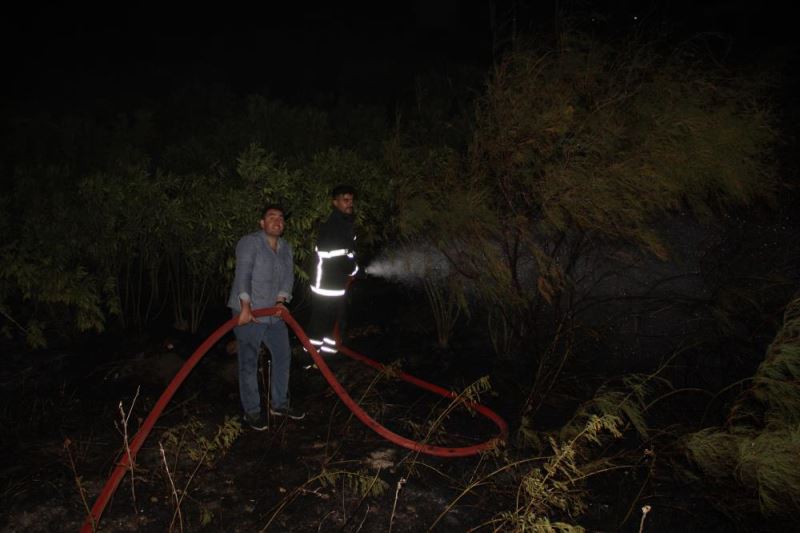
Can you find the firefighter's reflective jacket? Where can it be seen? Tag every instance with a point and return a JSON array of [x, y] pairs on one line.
[[335, 255]]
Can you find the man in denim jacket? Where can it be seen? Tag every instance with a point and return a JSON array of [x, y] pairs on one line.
[[264, 278]]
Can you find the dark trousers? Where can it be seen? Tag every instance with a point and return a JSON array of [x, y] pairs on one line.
[[326, 311]]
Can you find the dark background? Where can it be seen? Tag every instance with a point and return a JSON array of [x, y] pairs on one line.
[[92, 58], [330, 53]]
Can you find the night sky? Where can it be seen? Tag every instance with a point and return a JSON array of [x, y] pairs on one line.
[[316, 53], [295, 54]]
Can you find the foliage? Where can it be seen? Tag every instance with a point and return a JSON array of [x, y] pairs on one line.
[[773, 399], [147, 202], [768, 463], [761, 442], [583, 143], [553, 489], [134, 216], [361, 484], [635, 133], [433, 429], [374, 191], [626, 401], [36, 289], [192, 440], [446, 306]]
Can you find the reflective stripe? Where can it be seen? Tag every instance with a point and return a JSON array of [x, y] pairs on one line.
[[315, 342], [327, 349], [334, 253], [329, 341], [322, 254], [353, 273], [319, 275], [328, 292]]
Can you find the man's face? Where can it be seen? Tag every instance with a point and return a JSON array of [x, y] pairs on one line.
[[273, 223], [344, 203]]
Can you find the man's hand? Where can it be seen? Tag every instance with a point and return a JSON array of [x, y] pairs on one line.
[[245, 315]]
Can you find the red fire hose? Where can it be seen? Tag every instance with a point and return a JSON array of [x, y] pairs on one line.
[[123, 465]]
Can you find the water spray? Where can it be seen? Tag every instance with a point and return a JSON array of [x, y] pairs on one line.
[[410, 265]]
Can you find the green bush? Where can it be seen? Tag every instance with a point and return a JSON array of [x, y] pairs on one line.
[[134, 217], [759, 446], [579, 145]]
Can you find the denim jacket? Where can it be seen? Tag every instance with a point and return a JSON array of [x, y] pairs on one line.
[[262, 275]]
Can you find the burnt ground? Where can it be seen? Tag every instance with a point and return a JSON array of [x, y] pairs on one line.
[[61, 433], [62, 429]]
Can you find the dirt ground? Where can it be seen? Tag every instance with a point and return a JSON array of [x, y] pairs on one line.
[[63, 431]]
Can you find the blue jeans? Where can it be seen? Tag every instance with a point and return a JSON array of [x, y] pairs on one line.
[[275, 336]]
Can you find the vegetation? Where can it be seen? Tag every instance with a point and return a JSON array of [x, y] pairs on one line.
[[759, 444], [574, 157], [116, 234], [580, 146]]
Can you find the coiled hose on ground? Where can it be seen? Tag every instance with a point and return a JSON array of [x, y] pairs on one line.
[[136, 443]]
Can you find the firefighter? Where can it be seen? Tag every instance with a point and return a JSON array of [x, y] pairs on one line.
[[335, 263]]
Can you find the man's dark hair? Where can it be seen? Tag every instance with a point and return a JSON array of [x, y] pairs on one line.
[[342, 189], [273, 205]]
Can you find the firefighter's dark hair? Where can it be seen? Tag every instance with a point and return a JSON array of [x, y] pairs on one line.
[[343, 189]]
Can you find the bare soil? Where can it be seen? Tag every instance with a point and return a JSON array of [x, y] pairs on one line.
[[63, 432]]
